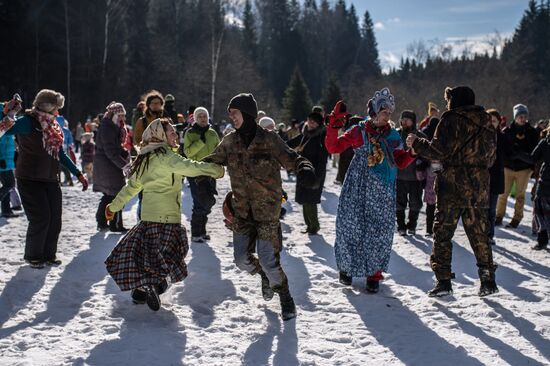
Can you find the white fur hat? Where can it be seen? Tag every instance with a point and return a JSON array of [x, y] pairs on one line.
[[266, 122], [200, 110]]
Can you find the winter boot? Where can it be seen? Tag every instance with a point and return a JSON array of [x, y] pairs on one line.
[[401, 227], [498, 221], [488, 285], [430, 215], [54, 262], [513, 224], [542, 241], [153, 300], [345, 279], [288, 308], [267, 291], [36, 264], [442, 288], [139, 296], [413, 219], [162, 287], [372, 285]]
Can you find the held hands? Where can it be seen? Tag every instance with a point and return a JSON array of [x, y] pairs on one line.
[[82, 179], [109, 215], [12, 107], [6, 123], [337, 118], [411, 138]]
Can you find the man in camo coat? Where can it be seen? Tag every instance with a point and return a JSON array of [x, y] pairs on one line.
[[254, 158], [465, 144]]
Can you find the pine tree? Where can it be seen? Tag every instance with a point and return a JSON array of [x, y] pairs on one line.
[[249, 30], [331, 93], [297, 103], [368, 55]]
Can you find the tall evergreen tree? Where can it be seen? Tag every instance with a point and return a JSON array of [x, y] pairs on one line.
[[368, 50], [297, 103], [249, 30]]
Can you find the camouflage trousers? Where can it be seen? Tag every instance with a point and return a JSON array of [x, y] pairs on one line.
[[257, 247], [476, 226]]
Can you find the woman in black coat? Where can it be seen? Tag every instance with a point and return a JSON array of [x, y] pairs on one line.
[[311, 145], [109, 161]]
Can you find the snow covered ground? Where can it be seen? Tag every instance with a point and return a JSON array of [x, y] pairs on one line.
[[76, 315]]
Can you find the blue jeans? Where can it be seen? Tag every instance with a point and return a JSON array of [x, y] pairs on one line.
[[493, 199]]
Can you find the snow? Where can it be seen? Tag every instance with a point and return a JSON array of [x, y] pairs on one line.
[[76, 315]]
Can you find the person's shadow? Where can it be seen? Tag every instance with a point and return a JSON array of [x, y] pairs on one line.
[[260, 350], [145, 337], [204, 288], [20, 290], [329, 203], [508, 353], [295, 269], [75, 284], [395, 326]]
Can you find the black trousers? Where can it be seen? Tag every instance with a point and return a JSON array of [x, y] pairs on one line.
[[203, 191], [409, 193], [7, 179], [116, 222], [42, 204]]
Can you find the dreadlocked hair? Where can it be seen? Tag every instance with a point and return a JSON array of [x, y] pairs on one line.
[[141, 163]]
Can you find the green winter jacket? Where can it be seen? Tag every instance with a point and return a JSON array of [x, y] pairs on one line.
[[161, 185], [196, 149]]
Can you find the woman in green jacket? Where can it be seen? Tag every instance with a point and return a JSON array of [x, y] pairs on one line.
[[155, 249]]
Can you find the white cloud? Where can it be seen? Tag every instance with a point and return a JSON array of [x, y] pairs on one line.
[[481, 7], [394, 20], [389, 60], [379, 26]]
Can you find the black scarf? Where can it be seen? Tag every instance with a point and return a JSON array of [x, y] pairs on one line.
[[202, 130], [247, 131]]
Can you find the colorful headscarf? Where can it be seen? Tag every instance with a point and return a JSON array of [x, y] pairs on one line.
[[153, 137], [383, 99]]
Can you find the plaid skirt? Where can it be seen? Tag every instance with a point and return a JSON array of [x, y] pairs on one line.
[[149, 253], [541, 221]]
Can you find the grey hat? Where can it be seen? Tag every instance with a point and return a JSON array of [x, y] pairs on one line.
[[520, 109]]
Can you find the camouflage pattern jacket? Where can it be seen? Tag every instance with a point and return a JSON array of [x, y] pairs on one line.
[[255, 172], [465, 144]]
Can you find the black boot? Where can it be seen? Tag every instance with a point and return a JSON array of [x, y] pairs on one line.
[[442, 288], [153, 300], [162, 287], [372, 286], [267, 291], [413, 219], [288, 308], [542, 241], [488, 284], [430, 215], [345, 279], [401, 226], [139, 296]]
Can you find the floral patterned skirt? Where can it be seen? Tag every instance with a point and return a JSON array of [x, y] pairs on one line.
[[365, 223]]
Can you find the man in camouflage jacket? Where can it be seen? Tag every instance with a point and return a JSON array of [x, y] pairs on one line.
[[254, 158], [465, 144]]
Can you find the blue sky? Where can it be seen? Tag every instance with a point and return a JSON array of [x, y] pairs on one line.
[[398, 23]]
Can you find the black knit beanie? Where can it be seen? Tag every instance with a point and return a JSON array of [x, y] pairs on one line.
[[459, 96], [244, 102], [409, 114]]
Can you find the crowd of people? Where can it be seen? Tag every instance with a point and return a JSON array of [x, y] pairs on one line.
[[463, 164]]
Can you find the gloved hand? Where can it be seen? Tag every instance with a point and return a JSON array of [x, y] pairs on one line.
[[306, 177], [6, 123], [337, 118], [82, 179], [109, 215], [12, 107]]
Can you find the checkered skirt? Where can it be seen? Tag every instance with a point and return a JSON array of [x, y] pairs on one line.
[[147, 254]]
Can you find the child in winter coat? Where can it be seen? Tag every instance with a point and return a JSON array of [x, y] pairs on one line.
[[154, 250], [365, 221], [87, 155]]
